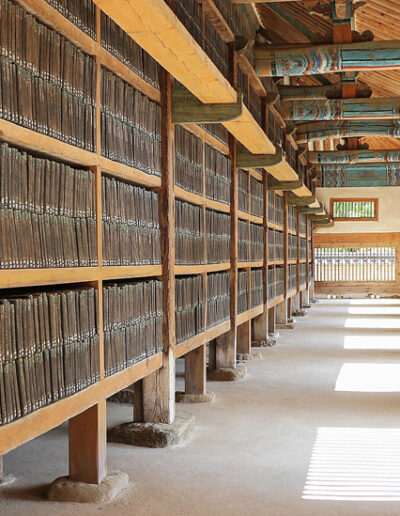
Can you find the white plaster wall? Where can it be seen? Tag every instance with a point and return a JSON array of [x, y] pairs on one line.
[[388, 209]]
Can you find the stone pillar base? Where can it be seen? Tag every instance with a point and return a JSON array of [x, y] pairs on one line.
[[286, 326], [264, 343], [227, 374], [153, 435], [65, 490], [182, 397], [255, 355], [300, 313], [306, 306]]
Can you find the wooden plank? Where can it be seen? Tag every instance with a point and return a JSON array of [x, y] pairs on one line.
[[201, 269], [87, 435], [248, 216], [198, 340], [249, 314], [41, 421], [15, 278], [275, 301]]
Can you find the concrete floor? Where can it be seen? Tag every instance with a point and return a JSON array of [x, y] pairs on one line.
[[251, 449]]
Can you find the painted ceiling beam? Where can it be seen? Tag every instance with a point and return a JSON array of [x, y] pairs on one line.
[[290, 60], [341, 109], [354, 156], [316, 131], [370, 174], [332, 91]]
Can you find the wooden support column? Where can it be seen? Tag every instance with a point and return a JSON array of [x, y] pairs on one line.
[[282, 312], [195, 371], [244, 338], [272, 321], [159, 387], [1, 468], [87, 445], [226, 344], [260, 323], [138, 416]]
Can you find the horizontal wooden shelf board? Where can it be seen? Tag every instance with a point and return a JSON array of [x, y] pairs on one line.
[[201, 269], [292, 232], [200, 200], [207, 138], [291, 293], [155, 27], [302, 235], [249, 314], [247, 265], [292, 262], [204, 337], [276, 262], [272, 225], [248, 216], [273, 302], [302, 287], [14, 278], [50, 16], [41, 421], [50, 147], [254, 173]]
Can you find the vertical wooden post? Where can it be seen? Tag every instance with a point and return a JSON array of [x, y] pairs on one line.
[[195, 371], [260, 323], [87, 445], [226, 343], [1, 468], [282, 312], [159, 387], [138, 416], [272, 321], [244, 338]]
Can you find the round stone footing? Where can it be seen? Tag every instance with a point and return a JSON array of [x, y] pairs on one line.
[[254, 355], [154, 435], [227, 374], [300, 313], [287, 326], [65, 490], [182, 397]]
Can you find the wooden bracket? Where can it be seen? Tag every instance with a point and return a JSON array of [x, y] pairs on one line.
[[306, 210], [293, 200], [318, 218], [247, 161], [187, 109], [272, 98], [290, 129], [283, 186], [326, 222]]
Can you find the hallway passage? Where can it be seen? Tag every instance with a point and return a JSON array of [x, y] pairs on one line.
[[314, 429]]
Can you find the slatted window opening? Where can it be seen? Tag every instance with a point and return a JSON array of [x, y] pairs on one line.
[[355, 264], [354, 209]]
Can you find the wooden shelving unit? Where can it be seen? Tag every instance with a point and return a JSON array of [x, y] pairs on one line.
[[156, 29]]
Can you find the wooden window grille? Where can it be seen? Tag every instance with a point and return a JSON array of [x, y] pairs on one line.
[[354, 209], [355, 264]]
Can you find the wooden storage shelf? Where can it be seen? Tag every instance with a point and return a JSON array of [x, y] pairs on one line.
[[292, 232], [13, 278], [292, 262], [302, 235], [52, 148], [302, 287], [291, 293], [201, 269], [273, 302], [202, 338], [272, 225], [155, 27], [248, 265], [208, 138], [249, 217], [198, 199], [249, 314], [303, 261], [46, 418], [276, 262], [50, 16]]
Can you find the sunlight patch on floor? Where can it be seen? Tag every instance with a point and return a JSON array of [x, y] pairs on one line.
[[378, 342], [368, 378], [354, 464]]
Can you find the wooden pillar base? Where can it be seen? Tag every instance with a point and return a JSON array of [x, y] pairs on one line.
[[260, 330], [272, 323], [225, 356], [87, 445], [227, 374], [196, 371], [244, 338]]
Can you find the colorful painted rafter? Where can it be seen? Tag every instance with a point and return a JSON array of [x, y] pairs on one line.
[[371, 174], [315, 131], [352, 157]]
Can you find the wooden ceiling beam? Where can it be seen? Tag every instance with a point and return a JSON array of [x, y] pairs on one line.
[[319, 131], [353, 157], [272, 61], [341, 109]]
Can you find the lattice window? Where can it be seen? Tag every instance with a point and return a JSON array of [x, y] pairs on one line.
[[355, 264], [354, 209]]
